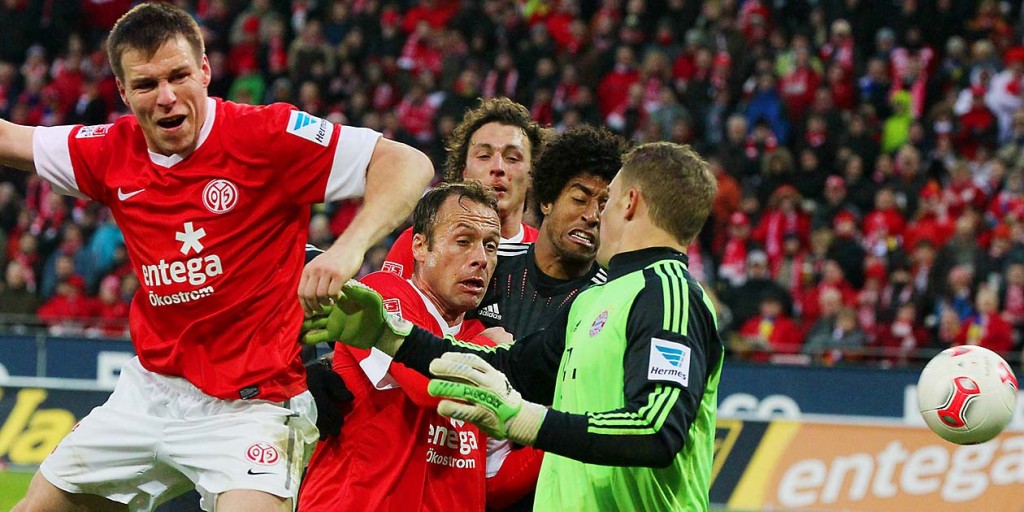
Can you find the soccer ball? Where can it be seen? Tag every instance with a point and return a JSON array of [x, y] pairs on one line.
[[967, 394]]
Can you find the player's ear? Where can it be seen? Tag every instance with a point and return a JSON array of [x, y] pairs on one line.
[[545, 208], [207, 71], [632, 200], [121, 92], [420, 247]]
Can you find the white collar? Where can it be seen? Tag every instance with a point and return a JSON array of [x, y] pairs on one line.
[[434, 312], [516, 238], [211, 115]]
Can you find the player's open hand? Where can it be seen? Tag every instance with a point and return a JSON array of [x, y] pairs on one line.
[[356, 318], [323, 277], [483, 396]]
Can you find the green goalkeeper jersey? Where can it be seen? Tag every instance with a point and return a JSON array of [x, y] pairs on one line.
[[631, 371]]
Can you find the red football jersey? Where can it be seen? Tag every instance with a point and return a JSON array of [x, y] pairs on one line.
[[400, 261], [395, 452], [216, 238]]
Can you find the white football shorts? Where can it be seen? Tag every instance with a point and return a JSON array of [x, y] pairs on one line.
[[158, 436]]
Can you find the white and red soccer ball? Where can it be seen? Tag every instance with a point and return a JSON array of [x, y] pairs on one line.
[[967, 394]]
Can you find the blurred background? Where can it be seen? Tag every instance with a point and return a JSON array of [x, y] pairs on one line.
[[869, 156]]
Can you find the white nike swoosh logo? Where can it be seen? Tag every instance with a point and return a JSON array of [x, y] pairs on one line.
[[122, 196]]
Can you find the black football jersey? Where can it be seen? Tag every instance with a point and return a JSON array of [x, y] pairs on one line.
[[522, 299]]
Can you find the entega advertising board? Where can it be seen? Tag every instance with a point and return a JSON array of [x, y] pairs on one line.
[[786, 465]]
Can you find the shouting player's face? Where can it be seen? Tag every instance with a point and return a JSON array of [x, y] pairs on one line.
[[167, 93], [499, 157], [454, 270], [572, 222]]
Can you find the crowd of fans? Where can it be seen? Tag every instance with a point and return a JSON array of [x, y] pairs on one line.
[[870, 155]]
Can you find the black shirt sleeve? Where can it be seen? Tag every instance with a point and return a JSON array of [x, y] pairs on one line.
[[530, 363]]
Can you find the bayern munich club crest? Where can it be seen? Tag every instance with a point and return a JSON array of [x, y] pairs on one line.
[[599, 323], [220, 196], [262, 453]]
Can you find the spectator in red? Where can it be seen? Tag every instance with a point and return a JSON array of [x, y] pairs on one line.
[[244, 55], [726, 202], [420, 53], [560, 23], [629, 118], [416, 113], [434, 13], [737, 247], [1011, 299], [840, 49], [932, 222], [783, 216], [899, 340], [771, 331], [797, 86], [1004, 95], [69, 310], [111, 314], [977, 127], [1009, 199], [987, 328], [503, 79], [1002, 249], [613, 90], [832, 278], [794, 270], [883, 227]]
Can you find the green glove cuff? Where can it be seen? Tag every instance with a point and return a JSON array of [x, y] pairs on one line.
[[391, 338]]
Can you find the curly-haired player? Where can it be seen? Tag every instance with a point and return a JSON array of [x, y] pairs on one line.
[[498, 144], [534, 281]]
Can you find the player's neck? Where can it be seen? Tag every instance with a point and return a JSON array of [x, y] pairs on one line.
[[644, 236], [450, 316], [553, 264], [511, 223]]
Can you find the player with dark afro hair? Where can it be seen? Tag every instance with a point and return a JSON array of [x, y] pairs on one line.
[[581, 150]]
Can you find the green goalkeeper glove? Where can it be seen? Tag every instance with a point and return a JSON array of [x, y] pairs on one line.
[[483, 396], [357, 318]]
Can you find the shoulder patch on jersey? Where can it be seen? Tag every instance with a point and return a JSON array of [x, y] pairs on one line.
[[309, 127], [669, 361], [394, 268], [96, 130], [393, 306]]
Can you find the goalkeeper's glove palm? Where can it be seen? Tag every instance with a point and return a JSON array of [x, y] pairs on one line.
[[476, 392]]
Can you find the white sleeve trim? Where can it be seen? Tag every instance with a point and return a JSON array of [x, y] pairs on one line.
[[51, 153], [351, 158], [375, 366], [497, 450]]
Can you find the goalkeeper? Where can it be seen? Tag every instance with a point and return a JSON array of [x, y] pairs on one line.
[[630, 369]]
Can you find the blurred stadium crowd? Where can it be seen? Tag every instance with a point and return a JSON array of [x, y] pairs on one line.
[[870, 154]]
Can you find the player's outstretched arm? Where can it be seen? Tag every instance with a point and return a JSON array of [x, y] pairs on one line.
[[357, 318], [396, 177], [16, 146]]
